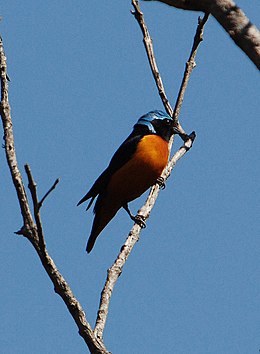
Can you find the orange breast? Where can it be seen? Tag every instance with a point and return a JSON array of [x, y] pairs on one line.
[[140, 172]]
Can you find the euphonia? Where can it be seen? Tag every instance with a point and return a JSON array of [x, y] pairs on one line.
[[135, 166]]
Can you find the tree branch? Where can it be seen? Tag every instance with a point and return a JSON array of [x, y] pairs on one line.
[[61, 287], [9, 146], [190, 65], [115, 270], [231, 18], [148, 43], [32, 232], [37, 218], [48, 192]]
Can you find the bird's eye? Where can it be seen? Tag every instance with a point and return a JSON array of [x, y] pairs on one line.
[[167, 121]]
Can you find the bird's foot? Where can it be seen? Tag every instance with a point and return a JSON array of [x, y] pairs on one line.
[[161, 182], [140, 220]]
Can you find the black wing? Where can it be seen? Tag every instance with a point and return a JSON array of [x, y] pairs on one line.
[[120, 158]]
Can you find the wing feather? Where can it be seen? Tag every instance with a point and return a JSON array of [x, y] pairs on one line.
[[120, 157]]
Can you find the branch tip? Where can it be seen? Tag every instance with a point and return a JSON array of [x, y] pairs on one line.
[[23, 231], [19, 232], [48, 192]]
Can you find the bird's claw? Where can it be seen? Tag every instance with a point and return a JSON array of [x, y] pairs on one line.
[[161, 182], [140, 220]]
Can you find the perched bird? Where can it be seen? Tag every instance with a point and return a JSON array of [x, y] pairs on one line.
[[135, 166]]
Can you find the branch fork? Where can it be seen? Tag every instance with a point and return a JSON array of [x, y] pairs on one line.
[[115, 270], [33, 229]]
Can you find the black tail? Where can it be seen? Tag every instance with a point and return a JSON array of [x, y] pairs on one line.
[[97, 187], [104, 213], [96, 229], [90, 244], [86, 197]]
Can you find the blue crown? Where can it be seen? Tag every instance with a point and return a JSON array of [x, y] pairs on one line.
[[147, 119]]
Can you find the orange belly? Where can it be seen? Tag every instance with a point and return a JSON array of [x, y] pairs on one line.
[[140, 172]]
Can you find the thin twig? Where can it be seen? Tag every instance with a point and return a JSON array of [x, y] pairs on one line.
[[37, 205], [116, 269], [190, 65], [48, 192], [33, 189], [148, 43]]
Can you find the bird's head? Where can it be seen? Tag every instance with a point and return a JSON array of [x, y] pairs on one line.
[[157, 122]]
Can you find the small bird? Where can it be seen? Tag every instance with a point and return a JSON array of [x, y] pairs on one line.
[[135, 166]]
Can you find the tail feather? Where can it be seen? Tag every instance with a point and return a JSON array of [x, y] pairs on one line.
[[90, 244], [96, 189], [102, 218], [86, 197]]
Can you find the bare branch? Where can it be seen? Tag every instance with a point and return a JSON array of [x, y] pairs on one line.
[[148, 43], [62, 288], [48, 192], [114, 272], [190, 65], [154, 68], [232, 19], [33, 232], [33, 189], [5, 112]]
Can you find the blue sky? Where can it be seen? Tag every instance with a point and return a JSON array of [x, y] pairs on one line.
[[79, 81]]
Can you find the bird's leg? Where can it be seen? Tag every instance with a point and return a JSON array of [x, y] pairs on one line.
[[161, 182], [138, 219]]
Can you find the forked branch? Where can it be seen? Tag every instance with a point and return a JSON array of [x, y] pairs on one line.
[[33, 230], [231, 18], [32, 226], [114, 272], [148, 44], [190, 65]]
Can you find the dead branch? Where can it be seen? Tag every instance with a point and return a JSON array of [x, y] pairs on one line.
[[9, 146], [148, 43], [232, 19], [33, 232], [32, 227], [48, 192], [190, 65], [115, 270]]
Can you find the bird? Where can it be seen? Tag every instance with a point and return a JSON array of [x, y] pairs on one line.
[[134, 168]]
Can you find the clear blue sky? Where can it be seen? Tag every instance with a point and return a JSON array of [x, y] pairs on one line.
[[79, 81]]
